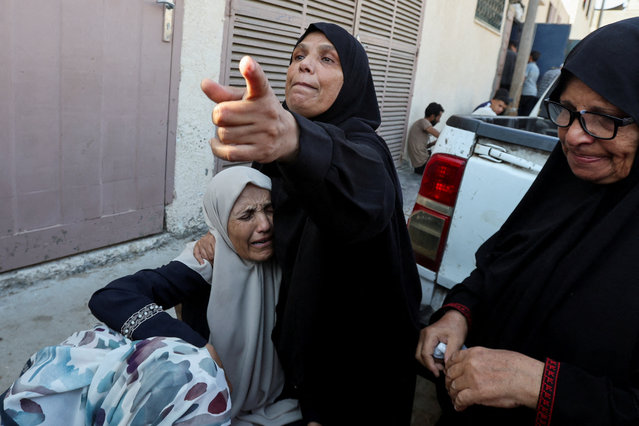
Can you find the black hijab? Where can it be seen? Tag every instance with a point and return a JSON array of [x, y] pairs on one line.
[[567, 235], [607, 60], [357, 99]]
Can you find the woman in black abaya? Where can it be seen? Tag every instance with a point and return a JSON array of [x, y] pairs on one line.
[[347, 315], [551, 313]]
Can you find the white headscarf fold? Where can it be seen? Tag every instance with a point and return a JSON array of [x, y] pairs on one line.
[[241, 310]]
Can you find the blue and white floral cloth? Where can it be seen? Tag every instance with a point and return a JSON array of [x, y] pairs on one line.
[[99, 377]]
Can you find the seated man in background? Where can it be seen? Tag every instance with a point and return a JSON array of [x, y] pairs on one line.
[[496, 106]]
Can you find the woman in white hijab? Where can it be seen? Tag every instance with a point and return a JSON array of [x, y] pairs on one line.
[[82, 379], [244, 290]]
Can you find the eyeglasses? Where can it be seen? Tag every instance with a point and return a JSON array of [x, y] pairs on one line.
[[597, 125]]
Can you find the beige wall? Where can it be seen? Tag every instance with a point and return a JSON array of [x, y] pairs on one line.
[[581, 20], [610, 16], [586, 21], [457, 60], [201, 54], [562, 16]]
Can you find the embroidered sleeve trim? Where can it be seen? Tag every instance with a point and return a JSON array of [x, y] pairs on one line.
[[138, 318], [463, 309], [546, 400]]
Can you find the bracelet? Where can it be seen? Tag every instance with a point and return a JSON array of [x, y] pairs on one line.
[[138, 318]]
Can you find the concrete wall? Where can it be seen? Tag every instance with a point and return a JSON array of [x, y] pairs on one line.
[[201, 54], [457, 60], [584, 22], [562, 17], [581, 20], [610, 16]]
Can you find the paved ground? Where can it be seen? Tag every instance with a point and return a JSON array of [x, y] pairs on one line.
[[43, 305]]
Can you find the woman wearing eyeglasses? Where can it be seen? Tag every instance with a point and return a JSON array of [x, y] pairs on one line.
[[550, 315]]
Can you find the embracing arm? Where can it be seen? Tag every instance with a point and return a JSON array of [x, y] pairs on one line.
[[204, 248], [165, 286]]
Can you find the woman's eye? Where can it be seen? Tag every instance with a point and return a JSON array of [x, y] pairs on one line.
[[298, 57], [327, 59]]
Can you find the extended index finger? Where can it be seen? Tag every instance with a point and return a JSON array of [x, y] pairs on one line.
[[257, 84]]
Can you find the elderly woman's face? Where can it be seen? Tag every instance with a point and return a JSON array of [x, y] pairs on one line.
[[592, 159], [250, 226], [314, 77]]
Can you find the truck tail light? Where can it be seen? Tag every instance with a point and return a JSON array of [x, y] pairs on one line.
[[429, 222]]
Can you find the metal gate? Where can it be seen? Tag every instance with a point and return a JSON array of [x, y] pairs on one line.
[[84, 118]]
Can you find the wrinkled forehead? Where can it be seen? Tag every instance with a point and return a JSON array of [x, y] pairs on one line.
[[318, 39], [251, 197], [334, 34]]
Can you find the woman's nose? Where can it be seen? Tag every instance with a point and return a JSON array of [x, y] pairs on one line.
[[306, 64], [264, 222], [575, 134]]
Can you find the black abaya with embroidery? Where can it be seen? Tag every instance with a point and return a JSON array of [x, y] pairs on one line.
[[559, 281], [347, 324]]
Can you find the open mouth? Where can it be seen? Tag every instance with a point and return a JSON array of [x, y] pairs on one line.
[[263, 242]]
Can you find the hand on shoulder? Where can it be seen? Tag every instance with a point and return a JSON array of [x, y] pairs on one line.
[[204, 248]]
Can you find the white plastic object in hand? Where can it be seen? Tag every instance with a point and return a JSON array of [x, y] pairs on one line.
[[440, 350]]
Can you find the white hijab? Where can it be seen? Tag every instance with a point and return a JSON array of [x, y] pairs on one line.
[[241, 310]]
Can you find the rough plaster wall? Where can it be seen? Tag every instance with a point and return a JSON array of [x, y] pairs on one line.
[[203, 31], [457, 60]]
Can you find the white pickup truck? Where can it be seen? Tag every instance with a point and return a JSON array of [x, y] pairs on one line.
[[479, 170]]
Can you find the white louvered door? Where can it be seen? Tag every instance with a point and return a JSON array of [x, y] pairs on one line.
[[390, 30]]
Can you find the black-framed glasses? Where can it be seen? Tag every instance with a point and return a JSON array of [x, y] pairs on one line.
[[597, 125]]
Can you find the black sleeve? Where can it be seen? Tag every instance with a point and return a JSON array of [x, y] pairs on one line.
[[166, 286], [571, 395], [344, 181]]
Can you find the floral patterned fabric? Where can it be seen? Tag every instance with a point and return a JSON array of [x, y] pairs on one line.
[[99, 377]]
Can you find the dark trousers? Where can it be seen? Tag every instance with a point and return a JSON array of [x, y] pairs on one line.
[[526, 104]]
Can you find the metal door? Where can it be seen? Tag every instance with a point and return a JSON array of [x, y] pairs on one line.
[[84, 119]]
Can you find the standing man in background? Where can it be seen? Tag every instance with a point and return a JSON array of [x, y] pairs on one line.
[[547, 79], [509, 66], [419, 137], [529, 89]]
